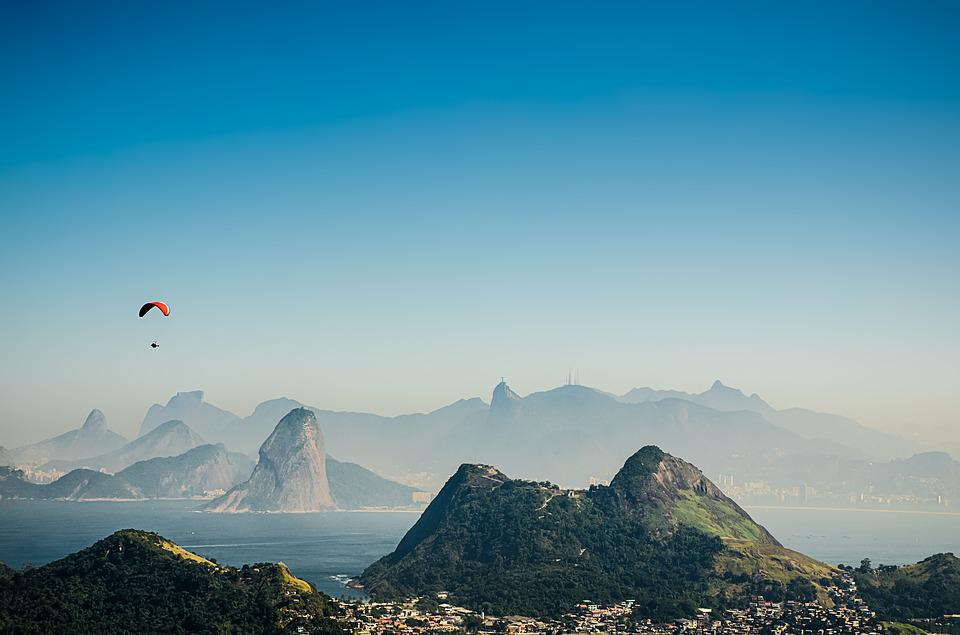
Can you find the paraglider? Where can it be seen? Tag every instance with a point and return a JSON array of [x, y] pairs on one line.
[[149, 305], [162, 307]]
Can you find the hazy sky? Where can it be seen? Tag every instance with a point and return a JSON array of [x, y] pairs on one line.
[[386, 206]]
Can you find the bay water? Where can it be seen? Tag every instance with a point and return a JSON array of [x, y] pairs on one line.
[[330, 547]]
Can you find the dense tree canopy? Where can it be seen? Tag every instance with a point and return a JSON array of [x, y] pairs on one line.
[[928, 589], [509, 546], [137, 582]]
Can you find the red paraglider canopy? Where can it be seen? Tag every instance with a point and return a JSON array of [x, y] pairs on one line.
[[149, 305]]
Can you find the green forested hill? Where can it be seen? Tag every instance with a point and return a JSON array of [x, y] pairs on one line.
[[661, 533], [927, 589], [138, 582]]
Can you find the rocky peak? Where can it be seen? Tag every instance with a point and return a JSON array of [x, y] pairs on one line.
[[523, 539], [186, 397], [464, 406], [275, 404], [721, 397], [297, 431], [469, 482], [205, 418], [476, 474], [668, 491], [95, 422], [504, 401], [172, 427], [717, 386], [651, 473], [291, 474]]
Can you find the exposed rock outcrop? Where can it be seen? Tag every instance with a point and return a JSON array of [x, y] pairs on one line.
[[291, 475]]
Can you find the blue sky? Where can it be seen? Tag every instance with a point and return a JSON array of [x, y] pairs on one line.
[[387, 207]]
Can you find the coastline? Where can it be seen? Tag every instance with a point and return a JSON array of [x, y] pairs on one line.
[[868, 510], [107, 500], [391, 510]]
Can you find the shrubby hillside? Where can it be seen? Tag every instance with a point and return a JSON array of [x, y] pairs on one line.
[[139, 582]]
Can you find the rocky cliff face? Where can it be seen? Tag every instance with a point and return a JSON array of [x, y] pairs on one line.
[[94, 423], [249, 433], [291, 474], [668, 491], [504, 403]]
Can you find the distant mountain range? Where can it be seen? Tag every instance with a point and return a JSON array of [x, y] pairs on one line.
[[574, 432], [196, 472], [804, 423], [167, 439], [928, 474], [206, 419], [249, 433], [93, 437], [355, 487], [75, 485], [294, 474], [661, 533], [192, 474], [570, 434]]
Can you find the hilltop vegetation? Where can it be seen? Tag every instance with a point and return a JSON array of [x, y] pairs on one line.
[[661, 534], [927, 589], [139, 582]]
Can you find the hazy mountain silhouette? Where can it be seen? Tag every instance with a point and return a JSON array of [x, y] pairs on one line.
[[92, 437], [193, 473], [249, 433], [805, 423], [168, 439], [569, 434], [294, 473], [203, 469], [205, 418], [354, 487]]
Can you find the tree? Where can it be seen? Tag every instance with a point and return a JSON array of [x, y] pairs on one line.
[[472, 623]]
